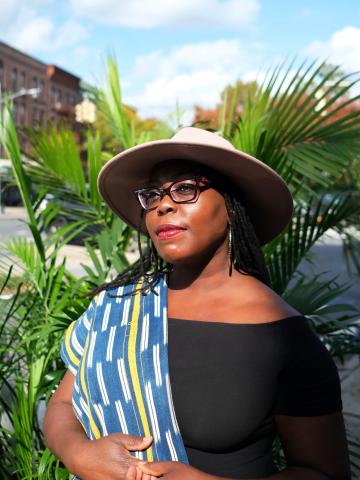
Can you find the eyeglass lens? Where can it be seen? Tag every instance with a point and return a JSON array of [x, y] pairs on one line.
[[182, 191]]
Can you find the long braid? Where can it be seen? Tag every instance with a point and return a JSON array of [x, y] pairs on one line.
[[246, 252]]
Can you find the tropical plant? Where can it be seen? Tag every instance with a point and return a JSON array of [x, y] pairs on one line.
[[297, 123]]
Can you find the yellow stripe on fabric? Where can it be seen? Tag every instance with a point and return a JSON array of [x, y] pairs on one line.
[[93, 425], [133, 367], [69, 351]]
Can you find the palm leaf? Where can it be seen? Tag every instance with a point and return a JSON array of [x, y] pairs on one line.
[[94, 159], [9, 140], [58, 151], [334, 322], [309, 223], [299, 117]]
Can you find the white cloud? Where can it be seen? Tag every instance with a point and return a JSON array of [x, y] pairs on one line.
[[343, 48], [169, 13], [70, 34], [192, 74], [22, 26], [34, 36]]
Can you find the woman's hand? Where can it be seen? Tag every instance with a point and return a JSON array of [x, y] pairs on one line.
[[134, 473], [169, 471], [107, 457]]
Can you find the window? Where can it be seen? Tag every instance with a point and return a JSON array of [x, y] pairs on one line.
[[22, 80], [34, 116], [59, 96], [22, 116], [42, 117], [34, 83], [14, 111], [42, 88], [1, 72], [53, 93], [13, 79]]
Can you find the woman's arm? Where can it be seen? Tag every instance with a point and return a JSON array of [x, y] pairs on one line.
[[62, 431], [101, 459], [314, 446]]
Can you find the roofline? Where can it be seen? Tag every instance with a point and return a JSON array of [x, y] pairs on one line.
[[34, 59]]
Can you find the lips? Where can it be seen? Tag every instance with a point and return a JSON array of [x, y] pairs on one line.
[[168, 230]]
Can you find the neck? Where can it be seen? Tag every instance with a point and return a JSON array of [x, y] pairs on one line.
[[203, 274]]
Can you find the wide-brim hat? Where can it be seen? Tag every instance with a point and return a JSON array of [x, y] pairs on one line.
[[266, 196]]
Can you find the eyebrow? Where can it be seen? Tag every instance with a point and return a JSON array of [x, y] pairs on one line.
[[158, 182]]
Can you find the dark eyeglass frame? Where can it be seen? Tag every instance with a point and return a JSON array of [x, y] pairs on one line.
[[167, 191]]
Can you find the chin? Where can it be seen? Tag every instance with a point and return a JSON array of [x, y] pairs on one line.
[[172, 254]]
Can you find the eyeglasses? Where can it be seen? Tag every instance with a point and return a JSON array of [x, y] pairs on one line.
[[181, 191]]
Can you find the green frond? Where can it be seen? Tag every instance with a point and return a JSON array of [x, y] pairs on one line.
[[304, 120], [309, 223], [9, 139], [58, 151]]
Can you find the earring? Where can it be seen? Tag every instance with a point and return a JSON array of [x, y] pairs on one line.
[[230, 251], [153, 259]]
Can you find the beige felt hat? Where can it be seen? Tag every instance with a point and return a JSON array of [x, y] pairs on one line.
[[267, 196]]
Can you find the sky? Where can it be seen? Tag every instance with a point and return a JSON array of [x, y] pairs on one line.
[[184, 52]]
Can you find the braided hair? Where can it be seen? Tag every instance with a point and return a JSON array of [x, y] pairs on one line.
[[246, 254]]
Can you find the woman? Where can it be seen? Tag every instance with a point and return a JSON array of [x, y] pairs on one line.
[[198, 310]]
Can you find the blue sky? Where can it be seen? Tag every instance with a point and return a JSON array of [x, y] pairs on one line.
[[185, 50]]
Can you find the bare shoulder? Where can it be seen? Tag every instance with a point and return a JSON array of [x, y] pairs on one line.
[[262, 304]]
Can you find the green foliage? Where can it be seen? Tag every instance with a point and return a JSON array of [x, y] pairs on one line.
[[296, 123], [9, 139], [126, 128], [50, 468], [24, 418], [309, 223], [111, 259], [300, 124]]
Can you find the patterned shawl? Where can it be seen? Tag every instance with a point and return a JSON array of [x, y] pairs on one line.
[[117, 351]]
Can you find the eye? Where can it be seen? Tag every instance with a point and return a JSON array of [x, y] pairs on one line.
[[150, 196], [185, 188]]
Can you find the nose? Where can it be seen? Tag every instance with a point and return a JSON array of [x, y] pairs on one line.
[[166, 205]]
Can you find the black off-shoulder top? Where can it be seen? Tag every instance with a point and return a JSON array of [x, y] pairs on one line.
[[229, 380]]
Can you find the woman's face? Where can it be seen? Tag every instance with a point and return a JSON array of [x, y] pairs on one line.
[[200, 228]]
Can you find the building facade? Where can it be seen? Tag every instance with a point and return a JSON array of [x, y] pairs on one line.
[[58, 94], [59, 90]]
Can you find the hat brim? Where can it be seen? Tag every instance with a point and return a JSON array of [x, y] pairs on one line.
[[267, 198]]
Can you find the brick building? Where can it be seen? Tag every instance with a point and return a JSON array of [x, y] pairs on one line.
[[59, 89], [59, 92]]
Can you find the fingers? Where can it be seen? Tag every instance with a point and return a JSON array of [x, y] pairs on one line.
[[132, 442], [152, 468], [134, 473], [145, 476]]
